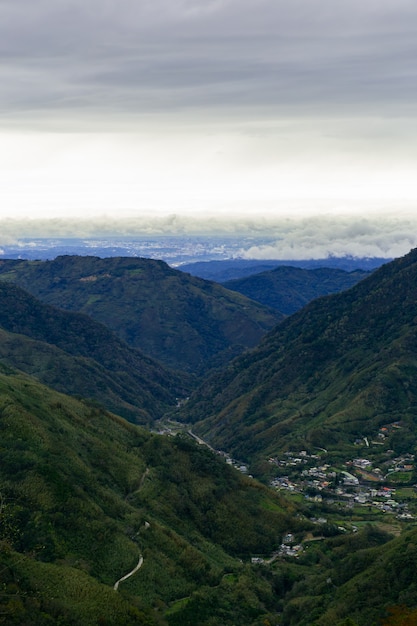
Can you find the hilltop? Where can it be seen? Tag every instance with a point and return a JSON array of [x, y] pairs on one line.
[[184, 322]]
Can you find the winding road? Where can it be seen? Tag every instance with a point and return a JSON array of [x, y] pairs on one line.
[[134, 570], [139, 564]]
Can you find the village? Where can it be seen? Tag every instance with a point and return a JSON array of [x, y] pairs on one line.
[[339, 495], [381, 482]]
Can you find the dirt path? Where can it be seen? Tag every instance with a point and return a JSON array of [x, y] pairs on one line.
[[140, 485]]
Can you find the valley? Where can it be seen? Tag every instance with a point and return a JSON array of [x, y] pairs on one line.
[[380, 488], [268, 478]]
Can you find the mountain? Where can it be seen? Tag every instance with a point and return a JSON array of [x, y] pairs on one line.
[[230, 269], [76, 355], [86, 497], [337, 370], [184, 322], [288, 289], [103, 522]]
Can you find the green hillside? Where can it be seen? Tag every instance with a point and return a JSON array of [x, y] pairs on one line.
[[74, 354], [85, 497], [361, 579], [83, 494], [184, 322], [337, 370], [288, 289]]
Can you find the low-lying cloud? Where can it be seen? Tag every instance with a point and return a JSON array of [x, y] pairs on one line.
[[262, 238], [318, 238]]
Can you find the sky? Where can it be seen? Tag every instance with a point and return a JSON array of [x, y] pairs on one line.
[[291, 117]]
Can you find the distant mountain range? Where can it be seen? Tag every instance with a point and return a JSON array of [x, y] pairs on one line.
[[230, 269], [288, 289]]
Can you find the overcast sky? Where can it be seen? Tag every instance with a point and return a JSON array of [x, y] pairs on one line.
[[241, 111]]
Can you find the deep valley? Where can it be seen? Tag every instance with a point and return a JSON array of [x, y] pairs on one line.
[[174, 452]]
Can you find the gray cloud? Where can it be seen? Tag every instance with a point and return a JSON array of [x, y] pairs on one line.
[[234, 105], [298, 56]]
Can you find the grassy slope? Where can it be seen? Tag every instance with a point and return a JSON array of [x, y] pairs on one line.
[[185, 322], [78, 489], [288, 289], [77, 355], [338, 369]]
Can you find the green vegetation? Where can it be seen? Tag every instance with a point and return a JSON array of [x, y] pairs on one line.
[[187, 323], [288, 289], [73, 354], [336, 371], [84, 493], [359, 576]]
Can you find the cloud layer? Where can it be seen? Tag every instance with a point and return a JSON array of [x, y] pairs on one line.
[[283, 239], [140, 57], [269, 107]]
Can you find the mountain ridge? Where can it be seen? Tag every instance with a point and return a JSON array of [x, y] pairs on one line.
[[323, 374], [76, 355], [84, 494], [288, 288], [236, 268], [184, 322]]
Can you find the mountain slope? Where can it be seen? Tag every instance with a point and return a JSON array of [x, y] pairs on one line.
[[83, 494], [184, 322], [357, 577], [76, 355], [288, 289], [337, 370]]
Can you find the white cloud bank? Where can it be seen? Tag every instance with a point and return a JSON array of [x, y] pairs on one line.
[[319, 238], [262, 238]]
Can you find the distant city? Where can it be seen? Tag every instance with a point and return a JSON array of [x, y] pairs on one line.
[[176, 250], [172, 249]]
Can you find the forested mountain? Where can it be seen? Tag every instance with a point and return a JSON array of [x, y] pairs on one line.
[[86, 497], [184, 322], [76, 355], [288, 289], [337, 370], [356, 580], [84, 494]]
